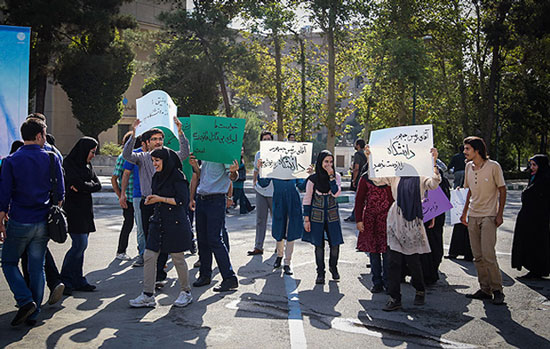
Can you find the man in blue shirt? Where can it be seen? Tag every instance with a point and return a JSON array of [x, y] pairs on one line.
[[214, 182], [25, 198]]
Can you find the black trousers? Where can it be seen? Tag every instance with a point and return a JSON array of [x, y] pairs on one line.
[[394, 277], [53, 278], [127, 226], [146, 213], [320, 256]]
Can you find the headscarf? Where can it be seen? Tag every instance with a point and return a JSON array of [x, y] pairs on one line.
[[408, 198], [78, 157], [320, 179], [544, 169], [171, 172]]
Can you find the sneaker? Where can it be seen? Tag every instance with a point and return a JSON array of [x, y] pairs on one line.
[[420, 298], [56, 293], [23, 313], [143, 301], [392, 304], [184, 299], [498, 298], [123, 257], [139, 262], [479, 295], [287, 270], [377, 289]]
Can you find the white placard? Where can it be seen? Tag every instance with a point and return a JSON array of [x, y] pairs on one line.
[[156, 109], [458, 200], [401, 151], [285, 160]]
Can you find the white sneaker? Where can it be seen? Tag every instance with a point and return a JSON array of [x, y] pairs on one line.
[[184, 299], [143, 301], [123, 257]]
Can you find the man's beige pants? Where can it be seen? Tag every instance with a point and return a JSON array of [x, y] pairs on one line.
[[483, 238]]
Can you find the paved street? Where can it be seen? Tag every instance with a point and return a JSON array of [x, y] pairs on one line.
[[275, 311]]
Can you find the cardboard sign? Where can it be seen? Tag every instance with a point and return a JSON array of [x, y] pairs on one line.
[[156, 109], [435, 203], [285, 160], [217, 139], [458, 200], [401, 151]]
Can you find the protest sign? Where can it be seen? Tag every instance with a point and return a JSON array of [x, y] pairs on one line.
[[156, 109], [216, 138], [435, 203], [458, 200], [285, 160], [401, 151]]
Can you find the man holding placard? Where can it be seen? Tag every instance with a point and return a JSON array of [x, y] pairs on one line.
[[482, 214], [153, 139]]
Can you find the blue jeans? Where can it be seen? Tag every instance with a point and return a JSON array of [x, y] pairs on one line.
[[139, 226], [379, 268], [210, 218], [71, 272], [34, 238]]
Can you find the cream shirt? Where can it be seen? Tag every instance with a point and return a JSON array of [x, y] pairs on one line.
[[483, 185]]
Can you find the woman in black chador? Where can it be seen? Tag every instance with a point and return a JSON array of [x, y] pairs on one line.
[[531, 247]]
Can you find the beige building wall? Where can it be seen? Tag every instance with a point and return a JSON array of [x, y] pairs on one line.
[[61, 122]]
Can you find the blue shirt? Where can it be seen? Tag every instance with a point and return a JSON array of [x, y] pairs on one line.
[[135, 170], [214, 178], [25, 184]]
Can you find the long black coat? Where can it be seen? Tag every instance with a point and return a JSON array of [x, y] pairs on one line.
[[531, 246], [169, 227], [79, 205]]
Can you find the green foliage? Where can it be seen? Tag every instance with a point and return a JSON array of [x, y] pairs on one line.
[[252, 130], [111, 149]]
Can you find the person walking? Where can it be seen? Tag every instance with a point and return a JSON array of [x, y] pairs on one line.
[[170, 229], [359, 161], [239, 195], [531, 246], [483, 214], [25, 197], [371, 212], [126, 204], [406, 233], [264, 202], [208, 200], [321, 216], [80, 182]]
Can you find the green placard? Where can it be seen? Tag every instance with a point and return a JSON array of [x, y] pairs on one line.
[[217, 139], [172, 142]]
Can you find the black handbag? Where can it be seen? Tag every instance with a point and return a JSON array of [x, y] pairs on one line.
[[57, 221]]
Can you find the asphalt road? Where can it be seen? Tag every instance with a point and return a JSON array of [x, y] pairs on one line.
[[275, 311]]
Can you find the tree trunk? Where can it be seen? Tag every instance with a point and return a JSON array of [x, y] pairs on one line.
[[225, 95], [278, 87], [331, 117], [303, 78]]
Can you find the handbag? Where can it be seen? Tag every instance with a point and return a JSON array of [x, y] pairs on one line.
[[57, 220]]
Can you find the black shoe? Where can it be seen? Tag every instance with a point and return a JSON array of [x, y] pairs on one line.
[[23, 313], [30, 322], [252, 209], [479, 295], [420, 298], [320, 279], [227, 285], [193, 249], [202, 281], [87, 288], [392, 304], [350, 219], [498, 298], [287, 270], [335, 274], [68, 291], [377, 289], [451, 256], [530, 276], [278, 261]]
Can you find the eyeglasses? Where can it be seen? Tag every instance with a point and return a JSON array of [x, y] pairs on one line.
[[154, 139]]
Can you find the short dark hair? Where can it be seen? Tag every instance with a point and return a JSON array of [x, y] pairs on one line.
[[146, 136], [266, 133], [478, 144], [50, 139], [360, 142], [138, 142], [37, 116], [126, 136], [31, 127]]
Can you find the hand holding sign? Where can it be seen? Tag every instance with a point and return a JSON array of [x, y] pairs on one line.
[[156, 109], [284, 160]]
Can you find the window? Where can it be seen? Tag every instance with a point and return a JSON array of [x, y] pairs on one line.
[[122, 130], [340, 161]]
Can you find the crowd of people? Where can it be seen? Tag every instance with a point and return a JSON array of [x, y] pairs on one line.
[[154, 193]]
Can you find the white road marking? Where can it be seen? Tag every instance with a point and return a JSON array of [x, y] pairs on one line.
[[295, 321]]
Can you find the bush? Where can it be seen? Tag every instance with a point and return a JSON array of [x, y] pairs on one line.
[[111, 149]]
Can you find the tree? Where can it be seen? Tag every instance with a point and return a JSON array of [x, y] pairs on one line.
[[96, 68]]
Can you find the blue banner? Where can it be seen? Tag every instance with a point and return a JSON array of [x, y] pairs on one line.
[[14, 83]]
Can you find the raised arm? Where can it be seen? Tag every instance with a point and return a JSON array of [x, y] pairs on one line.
[[183, 153], [128, 150]]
